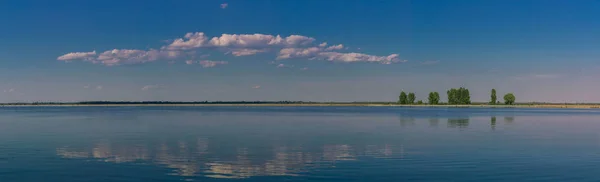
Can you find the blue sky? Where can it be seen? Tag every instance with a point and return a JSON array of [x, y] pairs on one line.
[[542, 50]]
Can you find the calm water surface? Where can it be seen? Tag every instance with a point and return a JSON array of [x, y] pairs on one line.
[[99, 144]]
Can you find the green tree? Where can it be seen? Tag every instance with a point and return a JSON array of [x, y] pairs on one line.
[[465, 96], [402, 99], [509, 99], [420, 102], [411, 98], [434, 98], [493, 97], [431, 98], [459, 96], [452, 97]]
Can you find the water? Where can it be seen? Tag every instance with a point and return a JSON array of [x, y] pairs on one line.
[[99, 144]]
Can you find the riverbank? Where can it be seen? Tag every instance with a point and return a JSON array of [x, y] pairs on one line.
[[572, 106]]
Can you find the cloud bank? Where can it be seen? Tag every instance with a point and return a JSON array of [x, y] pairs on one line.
[[185, 48]]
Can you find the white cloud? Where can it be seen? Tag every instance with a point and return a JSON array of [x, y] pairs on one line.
[[149, 87], [256, 87], [237, 41], [359, 57], [127, 56], [288, 53], [99, 87], [9, 90], [335, 47], [189, 62], [284, 66], [86, 87], [293, 46], [77, 56], [190, 41], [209, 64], [224, 5], [304, 69], [247, 52], [121, 56], [319, 53]]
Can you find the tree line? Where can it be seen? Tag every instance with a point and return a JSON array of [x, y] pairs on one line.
[[456, 96]]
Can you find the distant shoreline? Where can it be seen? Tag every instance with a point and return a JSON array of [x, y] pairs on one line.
[[573, 106]]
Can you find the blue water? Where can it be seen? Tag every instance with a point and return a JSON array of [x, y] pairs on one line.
[[100, 144]]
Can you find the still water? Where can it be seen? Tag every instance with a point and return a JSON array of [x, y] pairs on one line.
[[100, 144]]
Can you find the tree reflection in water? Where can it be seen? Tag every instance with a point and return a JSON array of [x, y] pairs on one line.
[[434, 122], [406, 121], [509, 119], [493, 122], [458, 122]]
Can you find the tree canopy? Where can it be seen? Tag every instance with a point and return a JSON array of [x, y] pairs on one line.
[[493, 97], [459, 96], [411, 98], [509, 99], [434, 98], [402, 99]]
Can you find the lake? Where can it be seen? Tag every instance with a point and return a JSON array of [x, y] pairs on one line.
[[127, 144]]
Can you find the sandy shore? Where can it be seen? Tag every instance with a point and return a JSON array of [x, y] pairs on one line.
[[573, 106]]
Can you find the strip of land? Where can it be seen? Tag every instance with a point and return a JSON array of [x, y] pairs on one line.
[[294, 104]]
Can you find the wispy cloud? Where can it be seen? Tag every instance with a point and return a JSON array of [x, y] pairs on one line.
[[246, 52], [256, 87], [150, 87], [536, 76], [210, 64], [77, 55], [10, 90], [206, 63], [335, 47], [545, 76], [99, 87], [323, 54], [120, 56], [304, 69], [224, 5], [284, 66]]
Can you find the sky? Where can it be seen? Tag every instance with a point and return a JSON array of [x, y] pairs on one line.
[[309, 50]]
